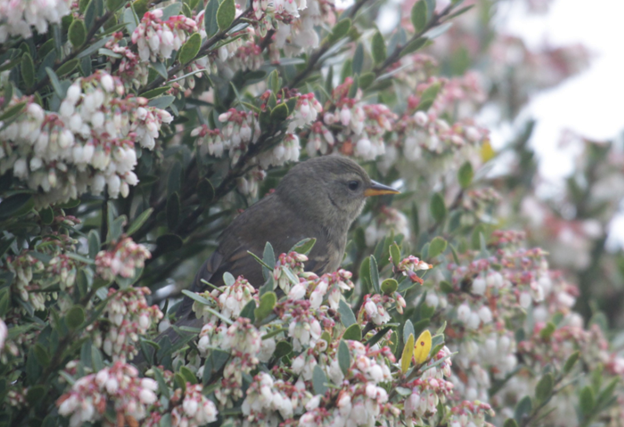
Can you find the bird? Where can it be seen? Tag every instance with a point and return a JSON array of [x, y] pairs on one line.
[[318, 198]]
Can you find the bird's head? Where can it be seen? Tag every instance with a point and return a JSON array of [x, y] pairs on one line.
[[331, 190]]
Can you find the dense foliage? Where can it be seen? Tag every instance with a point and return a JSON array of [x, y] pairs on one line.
[[131, 133]]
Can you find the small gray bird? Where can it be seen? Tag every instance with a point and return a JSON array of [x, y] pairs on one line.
[[319, 198]]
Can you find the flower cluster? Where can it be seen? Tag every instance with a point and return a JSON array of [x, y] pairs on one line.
[[287, 267], [229, 300], [18, 17], [410, 265], [121, 260], [89, 143], [195, 409], [129, 316], [157, 39], [118, 385]]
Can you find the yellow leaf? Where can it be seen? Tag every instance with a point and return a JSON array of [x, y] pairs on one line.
[[422, 347], [406, 357], [487, 152]]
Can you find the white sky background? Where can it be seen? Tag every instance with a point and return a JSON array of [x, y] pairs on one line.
[[591, 103]]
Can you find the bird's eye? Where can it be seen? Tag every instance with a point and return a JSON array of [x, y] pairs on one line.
[[354, 185]]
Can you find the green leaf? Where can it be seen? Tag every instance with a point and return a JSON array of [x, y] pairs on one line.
[[205, 191], [282, 348], [36, 393], [378, 48], [139, 221], [353, 332], [56, 84], [226, 14], [67, 67], [113, 5], [414, 45], [162, 385], [367, 79], [210, 18], [303, 247], [365, 273], [389, 286], [77, 33], [28, 70], [42, 355], [437, 246], [340, 30], [318, 380], [408, 329], [189, 376], [12, 111], [190, 49], [544, 387], [161, 102], [228, 278], [587, 400], [437, 207], [279, 113], [267, 303], [346, 314], [248, 311], [510, 422], [46, 215], [173, 9], [406, 356], [547, 331], [465, 174], [344, 357], [395, 253], [75, 317], [94, 243], [374, 274], [523, 409], [419, 16], [358, 59], [16, 205], [169, 242], [569, 364], [173, 211], [155, 92]]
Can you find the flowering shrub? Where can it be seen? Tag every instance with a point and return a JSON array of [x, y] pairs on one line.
[[132, 132]]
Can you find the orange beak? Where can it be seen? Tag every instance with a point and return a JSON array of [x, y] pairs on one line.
[[377, 189]]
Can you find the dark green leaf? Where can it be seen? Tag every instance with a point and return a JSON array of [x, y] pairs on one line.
[[35, 393], [414, 45], [510, 422], [248, 311], [190, 49], [173, 211], [282, 348], [67, 67], [344, 357], [139, 221], [46, 215], [358, 59], [226, 14], [365, 273], [378, 48], [465, 174], [395, 253], [346, 314], [56, 84], [353, 332], [12, 111], [169, 242], [188, 375], [16, 205], [75, 317], [94, 243], [374, 274], [389, 286], [366, 80], [42, 355], [113, 5], [437, 207], [155, 92], [304, 246], [523, 409], [28, 70], [437, 246], [77, 33], [279, 113], [205, 191]]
